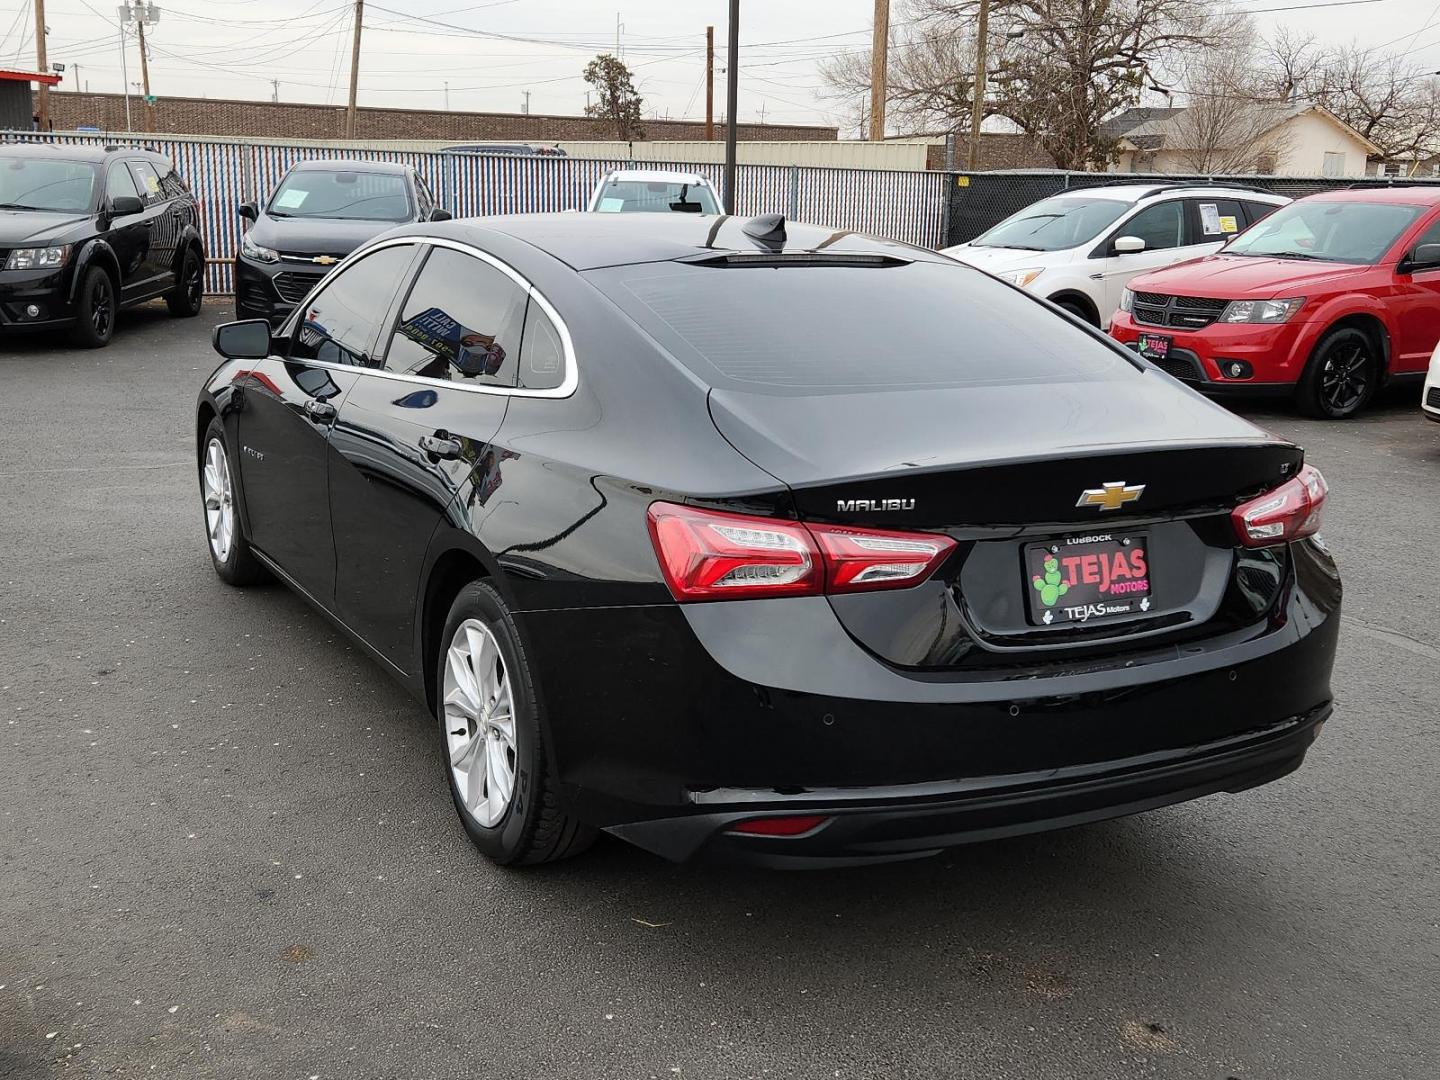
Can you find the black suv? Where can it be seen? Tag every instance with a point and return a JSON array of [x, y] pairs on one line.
[[319, 213], [87, 230]]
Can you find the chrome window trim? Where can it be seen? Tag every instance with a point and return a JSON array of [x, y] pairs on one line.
[[572, 373]]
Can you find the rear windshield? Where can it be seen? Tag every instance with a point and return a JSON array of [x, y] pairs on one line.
[[46, 184], [1054, 224], [349, 196], [808, 329]]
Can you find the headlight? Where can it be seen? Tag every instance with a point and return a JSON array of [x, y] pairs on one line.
[[1022, 277], [1261, 311], [1127, 300], [37, 258], [252, 250]]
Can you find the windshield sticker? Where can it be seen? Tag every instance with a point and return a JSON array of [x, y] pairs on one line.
[[291, 198], [1227, 225], [152, 184], [611, 206], [1210, 219]]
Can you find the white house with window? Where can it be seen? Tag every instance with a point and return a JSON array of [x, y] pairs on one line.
[[1296, 138]]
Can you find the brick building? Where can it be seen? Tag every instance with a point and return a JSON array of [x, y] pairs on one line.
[[282, 120]]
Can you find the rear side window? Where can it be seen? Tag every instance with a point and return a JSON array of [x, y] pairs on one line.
[[814, 329], [172, 183], [1217, 220], [1258, 210], [340, 323], [542, 355], [461, 322]]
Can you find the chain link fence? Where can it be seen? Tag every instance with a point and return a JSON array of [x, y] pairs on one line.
[[979, 200]]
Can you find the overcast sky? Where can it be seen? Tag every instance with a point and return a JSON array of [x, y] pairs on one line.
[[412, 48]]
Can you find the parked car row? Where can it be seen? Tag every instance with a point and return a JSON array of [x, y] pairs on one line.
[[1238, 291]]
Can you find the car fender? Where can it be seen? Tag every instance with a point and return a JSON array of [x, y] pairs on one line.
[[96, 253], [1327, 314], [189, 238]]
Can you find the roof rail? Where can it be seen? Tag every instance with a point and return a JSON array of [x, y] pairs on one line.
[[1158, 186], [1391, 182]]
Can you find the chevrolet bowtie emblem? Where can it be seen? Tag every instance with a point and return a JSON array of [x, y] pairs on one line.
[[325, 260], [1111, 495]]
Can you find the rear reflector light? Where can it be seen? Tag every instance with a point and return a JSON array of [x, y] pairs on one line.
[[1290, 512], [797, 825], [712, 555]]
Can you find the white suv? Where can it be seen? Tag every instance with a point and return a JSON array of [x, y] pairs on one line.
[[1430, 396], [1080, 248]]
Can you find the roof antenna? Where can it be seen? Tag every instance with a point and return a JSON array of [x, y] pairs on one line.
[[767, 228]]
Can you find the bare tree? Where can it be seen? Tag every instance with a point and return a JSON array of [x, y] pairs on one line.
[[1230, 123], [1291, 61], [1384, 96]]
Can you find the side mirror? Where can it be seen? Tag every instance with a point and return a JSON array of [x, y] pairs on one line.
[[248, 210], [248, 339], [125, 205], [1128, 245], [440, 214], [1424, 257]]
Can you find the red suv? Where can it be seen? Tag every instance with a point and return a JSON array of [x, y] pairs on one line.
[[1328, 298]]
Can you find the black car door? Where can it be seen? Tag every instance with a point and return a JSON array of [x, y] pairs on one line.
[[409, 437], [128, 236], [290, 402], [163, 220]]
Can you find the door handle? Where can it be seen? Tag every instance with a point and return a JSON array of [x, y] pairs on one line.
[[441, 445], [322, 412]]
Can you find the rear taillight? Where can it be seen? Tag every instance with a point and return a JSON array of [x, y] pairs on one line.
[[1290, 512], [712, 555]]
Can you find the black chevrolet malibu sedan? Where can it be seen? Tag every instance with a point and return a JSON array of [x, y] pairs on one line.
[[319, 213], [763, 541], [87, 230]]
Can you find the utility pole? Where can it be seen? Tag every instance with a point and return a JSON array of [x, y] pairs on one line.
[[447, 95], [125, 77], [42, 93], [526, 109], [145, 69], [977, 104], [879, 65], [709, 83], [732, 102], [354, 70], [275, 91], [618, 27]]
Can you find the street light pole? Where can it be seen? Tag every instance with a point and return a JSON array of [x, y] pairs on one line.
[[42, 94], [977, 103], [732, 102]]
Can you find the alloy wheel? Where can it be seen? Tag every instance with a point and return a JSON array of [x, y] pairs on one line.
[[101, 311], [219, 500], [479, 723], [193, 284], [1345, 378]]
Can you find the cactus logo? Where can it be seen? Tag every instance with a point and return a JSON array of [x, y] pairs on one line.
[[1050, 586]]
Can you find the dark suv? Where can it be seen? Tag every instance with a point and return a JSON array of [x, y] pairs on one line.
[[87, 230], [319, 213]]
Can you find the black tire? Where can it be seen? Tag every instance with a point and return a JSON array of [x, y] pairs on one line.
[[238, 565], [184, 300], [1341, 376], [95, 310], [533, 826], [1077, 309]]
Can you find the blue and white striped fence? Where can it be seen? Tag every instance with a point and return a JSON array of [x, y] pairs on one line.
[[906, 206]]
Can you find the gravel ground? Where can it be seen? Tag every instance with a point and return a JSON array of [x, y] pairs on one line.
[[226, 849]]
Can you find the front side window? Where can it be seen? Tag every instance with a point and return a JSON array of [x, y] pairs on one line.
[[461, 322], [119, 182], [1054, 224], [148, 181], [46, 184], [339, 324], [812, 329], [655, 197], [1161, 226], [342, 195], [1328, 230]]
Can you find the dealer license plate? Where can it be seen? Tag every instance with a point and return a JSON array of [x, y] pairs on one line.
[[1084, 578], [1154, 346]]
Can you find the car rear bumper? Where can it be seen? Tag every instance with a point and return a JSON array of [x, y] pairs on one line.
[[669, 724], [888, 824]]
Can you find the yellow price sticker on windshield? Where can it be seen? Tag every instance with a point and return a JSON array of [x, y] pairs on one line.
[[1227, 224]]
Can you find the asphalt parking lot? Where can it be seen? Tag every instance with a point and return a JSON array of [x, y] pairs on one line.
[[227, 850]]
